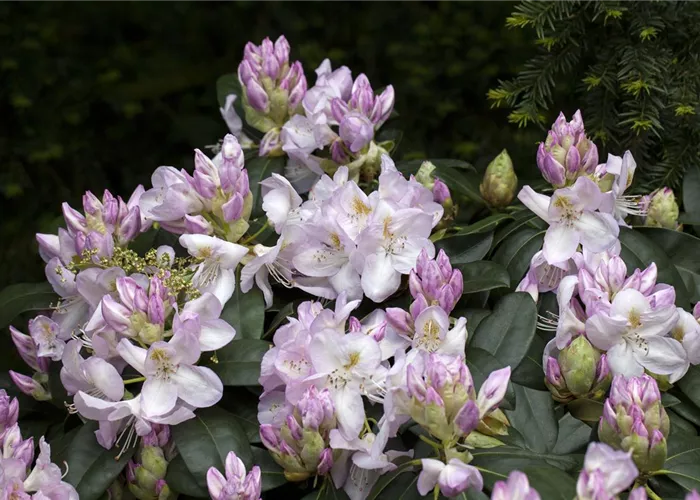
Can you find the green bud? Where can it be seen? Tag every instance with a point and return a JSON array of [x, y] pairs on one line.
[[435, 421], [500, 182], [578, 363], [255, 118], [41, 393], [607, 434], [494, 424], [462, 455], [153, 460], [476, 439], [663, 209], [312, 444], [639, 446], [657, 457], [425, 174]]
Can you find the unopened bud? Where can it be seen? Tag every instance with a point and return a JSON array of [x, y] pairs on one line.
[[578, 362], [663, 209], [499, 184]]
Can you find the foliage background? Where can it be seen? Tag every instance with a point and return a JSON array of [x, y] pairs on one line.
[[97, 95]]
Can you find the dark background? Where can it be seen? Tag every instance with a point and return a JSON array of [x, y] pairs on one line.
[[97, 95]]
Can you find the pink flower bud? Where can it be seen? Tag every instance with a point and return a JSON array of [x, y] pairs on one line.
[[233, 208], [663, 296], [115, 314], [552, 171], [282, 50], [516, 487], [553, 373], [26, 348], [110, 212], [75, 221], [356, 131], [339, 109], [28, 385], [457, 477], [416, 386], [400, 320], [467, 418], [204, 184], [294, 428], [339, 152], [270, 143], [433, 398], [590, 158], [383, 106], [269, 437], [257, 97], [325, 462], [196, 224], [493, 390], [49, 246], [648, 279], [298, 91], [9, 411], [418, 306], [245, 72], [441, 192], [24, 452], [252, 485], [422, 262], [617, 271], [130, 226]]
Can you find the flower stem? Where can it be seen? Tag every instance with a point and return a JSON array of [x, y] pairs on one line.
[[134, 380], [432, 443], [258, 233], [652, 495]]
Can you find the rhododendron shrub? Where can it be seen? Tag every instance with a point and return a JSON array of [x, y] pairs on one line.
[[302, 314]]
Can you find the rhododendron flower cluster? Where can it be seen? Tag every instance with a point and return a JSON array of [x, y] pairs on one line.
[[300, 256]]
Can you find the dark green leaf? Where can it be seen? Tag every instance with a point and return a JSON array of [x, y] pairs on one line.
[[272, 474], [23, 297], [502, 460], [534, 418], [464, 249], [229, 84], [483, 275], [239, 362], [243, 406], [682, 461], [529, 372], [474, 317], [91, 468], [517, 250], [691, 194], [246, 313], [485, 225], [260, 169], [521, 219], [509, 330], [384, 482], [181, 480], [205, 440], [281, 317], [574, 435], [587, 410], [690, 384], [679, 425], [638, 251], [551, 483]]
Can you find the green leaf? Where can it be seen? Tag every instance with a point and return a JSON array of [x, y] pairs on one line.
[[246, 313], [679, 425], [379, 489], [638, 251], [181, 480], [524, 218], [551, 483], [259, 169], [243, 406], [91, 468], [500, 461], [690, 384], [239, 362], [229, 84], [281, 317], [483, 275], [205, 440], [534, 418], [587, 410], [467, 248], [23, 297], [485, 225], [474, 318], [517, 250], [682, 461], [481, 364], [573, 436], [691, 194], [508, 332], [530, 372], [272, 474]]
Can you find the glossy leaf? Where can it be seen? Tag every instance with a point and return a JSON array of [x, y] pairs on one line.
[[529, 372], [691, 194], [23, 297], [272, 474], [467, 248], [682, 461], [517, 250], [508, 332], [181, 480], [205, 440], [534, 418], [92, 468], [481, 363], [574, 435], [485, 225], [239, 362], [638, 251], [246, 313], [551, 483], [690, 384], [483, 275]]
